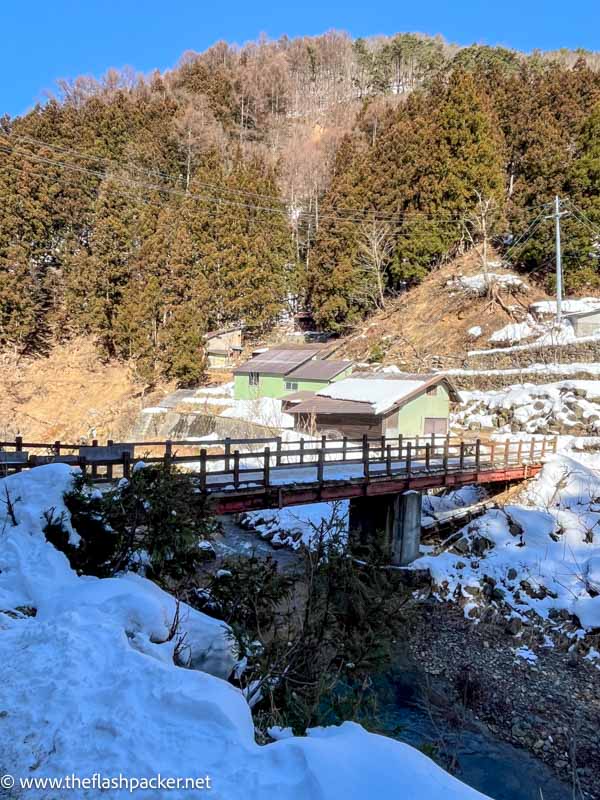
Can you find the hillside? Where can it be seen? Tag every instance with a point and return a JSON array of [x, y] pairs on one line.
[[428, 326], [68, 395], [323, 174]]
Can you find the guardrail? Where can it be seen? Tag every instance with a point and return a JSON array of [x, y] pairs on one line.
[[223, 464]]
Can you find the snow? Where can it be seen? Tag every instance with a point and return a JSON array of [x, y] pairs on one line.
[[514, 332], [90, 686], [533, 408], [475, 332], [568, 306], [542, 551], [480, 283], [568, 368], [262, 410], [526, 654], [382, 394], [552, 336], [296, 526]]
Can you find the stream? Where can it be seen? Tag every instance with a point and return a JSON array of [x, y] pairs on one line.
[[491, 766]]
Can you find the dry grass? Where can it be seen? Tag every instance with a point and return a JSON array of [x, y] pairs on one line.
[[427, 327], [70, 395]]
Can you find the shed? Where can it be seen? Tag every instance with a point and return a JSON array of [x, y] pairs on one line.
[[376, 405], [585, 323], [224, 346]]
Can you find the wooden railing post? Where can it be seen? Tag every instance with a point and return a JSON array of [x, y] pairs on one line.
[[278, 451], [400, 443], [236, 469], [520, 452], [408, 457], [227, 453], [555, 445], [82, 465], [365, 457], [320, 465], [544, 447], [109, 467], [506, 451], [445, 456], [388, 459], [382, 447], [532, 450], [461, 457], [126, 463], [302, 449], [344, 448], [203, 469], [428, 455], [94, 465], [267, 467], [478, 454], [19, 444], [57, 448]]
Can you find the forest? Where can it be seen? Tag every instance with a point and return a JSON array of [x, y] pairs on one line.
[[322, 174]]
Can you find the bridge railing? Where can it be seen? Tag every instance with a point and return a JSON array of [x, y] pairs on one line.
[[236, 463]]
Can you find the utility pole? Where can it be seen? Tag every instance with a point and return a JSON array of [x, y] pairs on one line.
[[557, 216]]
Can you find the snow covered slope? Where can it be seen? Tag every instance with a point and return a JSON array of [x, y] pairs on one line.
[[89, 686], [541, 556]]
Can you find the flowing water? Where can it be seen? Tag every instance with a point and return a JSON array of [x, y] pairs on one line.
[[487, 764]]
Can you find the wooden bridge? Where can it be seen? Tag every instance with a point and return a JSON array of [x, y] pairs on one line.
[[245, 474]]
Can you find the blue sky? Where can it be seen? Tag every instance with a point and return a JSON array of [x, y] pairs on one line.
[[43, 41]]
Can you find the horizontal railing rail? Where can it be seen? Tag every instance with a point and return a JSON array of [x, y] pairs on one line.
[[222, 466]]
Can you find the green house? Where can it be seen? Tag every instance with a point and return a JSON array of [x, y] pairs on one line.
[[282, 371], [377, 405]]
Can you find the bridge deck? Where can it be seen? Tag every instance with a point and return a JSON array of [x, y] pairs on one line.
[[303, 471]]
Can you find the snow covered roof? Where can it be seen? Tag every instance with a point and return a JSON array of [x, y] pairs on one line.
[[370, 394]]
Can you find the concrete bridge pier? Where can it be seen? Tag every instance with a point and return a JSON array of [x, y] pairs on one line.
[[391, 521]]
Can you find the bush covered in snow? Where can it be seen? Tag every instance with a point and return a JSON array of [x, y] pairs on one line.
[[156, 522]]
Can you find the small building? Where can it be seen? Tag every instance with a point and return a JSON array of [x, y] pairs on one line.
[[376, 405], [585, 323], [278, 372], [223, 347]]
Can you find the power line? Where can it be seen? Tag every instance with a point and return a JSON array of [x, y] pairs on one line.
[[338, 215]]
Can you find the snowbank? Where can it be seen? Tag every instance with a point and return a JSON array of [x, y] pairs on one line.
[[565, 406], [295, 526], [89, 686], [263, 411], [480, 283], [543, 554]]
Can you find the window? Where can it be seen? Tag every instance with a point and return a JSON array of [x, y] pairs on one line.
[[253, 378], [291, 386], [432, 391]]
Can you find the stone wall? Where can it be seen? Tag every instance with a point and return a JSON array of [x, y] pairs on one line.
[[550, 354]]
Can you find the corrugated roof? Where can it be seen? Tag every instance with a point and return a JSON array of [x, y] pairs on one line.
[[277, 362], [327, 405], [319, 370]]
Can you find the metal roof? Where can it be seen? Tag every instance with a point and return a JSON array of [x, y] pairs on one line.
[[327, 405], [277, 361], [319, 370], [376, 401]]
